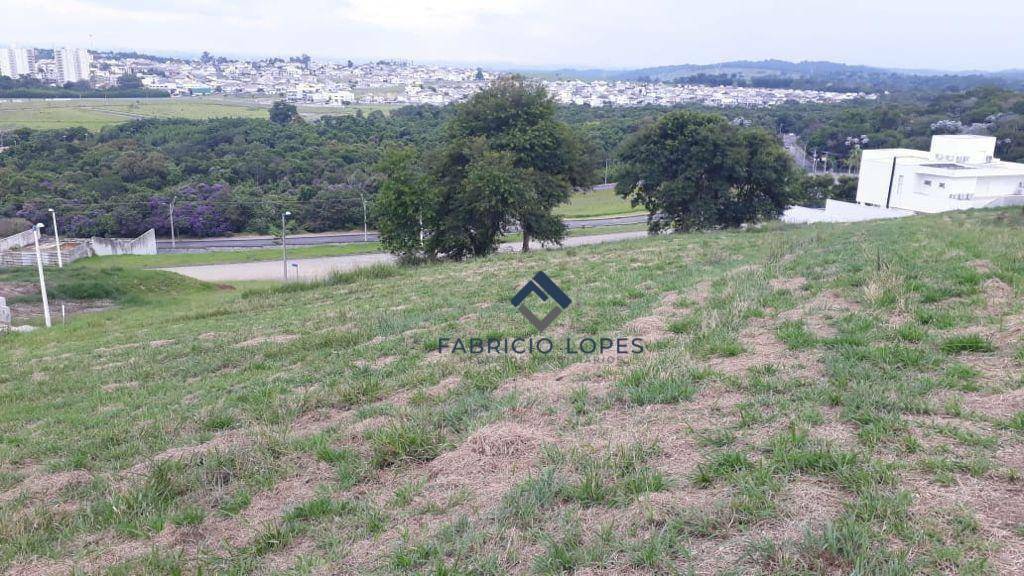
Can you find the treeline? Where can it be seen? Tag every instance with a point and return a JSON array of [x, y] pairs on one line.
[[34, 88], [228, 175], [853, 81], [908, 121]]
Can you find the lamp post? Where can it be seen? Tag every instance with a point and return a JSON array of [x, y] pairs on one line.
[[365, 234], [56, 238], [42, 278], [284, 244], [173, 244]]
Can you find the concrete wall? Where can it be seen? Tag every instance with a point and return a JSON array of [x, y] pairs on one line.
[[837, 211], [17, 240], [145, 244], [876, 171], [5, 315], [49, 257]]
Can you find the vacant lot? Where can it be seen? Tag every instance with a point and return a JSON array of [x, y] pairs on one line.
[[595, 203], [828, 399], [95, 113]]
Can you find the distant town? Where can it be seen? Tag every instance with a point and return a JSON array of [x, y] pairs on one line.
[[385, 82]]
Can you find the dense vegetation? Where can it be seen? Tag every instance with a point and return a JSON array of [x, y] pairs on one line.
[[231, 175], [807, 75], [227, 174], [697, 171]]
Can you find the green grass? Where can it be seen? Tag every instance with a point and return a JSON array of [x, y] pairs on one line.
[[96, 113], [597, 203], [325, 416], [966, 343], [171, 260], [123, 285]]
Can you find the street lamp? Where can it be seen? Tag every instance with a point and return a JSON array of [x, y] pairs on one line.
[[363, 197], [171, 206], [42, 279], [56, 238], [284, 244]]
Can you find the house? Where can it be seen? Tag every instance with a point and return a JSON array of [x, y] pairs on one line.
[[958, 173]]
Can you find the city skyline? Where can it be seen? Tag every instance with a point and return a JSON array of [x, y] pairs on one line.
[[527, 33]]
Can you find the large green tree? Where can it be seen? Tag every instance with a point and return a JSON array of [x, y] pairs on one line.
[[509, 163], [692, 170], [406, 201]]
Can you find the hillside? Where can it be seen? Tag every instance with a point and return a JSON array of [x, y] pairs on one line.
[[821, 75], [825, 399]]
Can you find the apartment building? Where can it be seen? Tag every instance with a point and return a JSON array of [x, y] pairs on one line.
[[72, 64], [16, 61]]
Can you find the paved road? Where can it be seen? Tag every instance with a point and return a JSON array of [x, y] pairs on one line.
[[347, 237], [315, 268]]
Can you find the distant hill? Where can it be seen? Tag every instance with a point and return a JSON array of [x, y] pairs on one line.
[[806, 74]]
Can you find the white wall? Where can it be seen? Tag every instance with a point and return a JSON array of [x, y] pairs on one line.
[[144, 244], [963, 149], [873, 183]]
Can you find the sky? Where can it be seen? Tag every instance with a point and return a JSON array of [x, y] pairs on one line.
[[916, 34]]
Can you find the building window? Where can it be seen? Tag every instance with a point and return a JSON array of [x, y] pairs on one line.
[[927, 182], [942, 184]]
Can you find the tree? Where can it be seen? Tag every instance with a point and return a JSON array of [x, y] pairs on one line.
[[510, 126], [284, 113], [485, 202], [693, 170], [406, 202], [129, 81]]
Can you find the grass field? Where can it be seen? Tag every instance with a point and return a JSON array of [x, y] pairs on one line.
[[825, 399], [230, 256], [596, 203], [95, 113]]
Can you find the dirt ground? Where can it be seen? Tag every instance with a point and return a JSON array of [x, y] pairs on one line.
[[29, 312]]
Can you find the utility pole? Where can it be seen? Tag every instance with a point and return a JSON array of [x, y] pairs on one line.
[[42, 278], [56, 238], [284, 245], [606, 170], [365, 230], [173, 243]]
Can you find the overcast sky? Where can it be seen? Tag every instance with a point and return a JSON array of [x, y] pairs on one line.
[[937, 34]]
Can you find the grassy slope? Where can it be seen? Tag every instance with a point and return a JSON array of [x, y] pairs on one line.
[[827, 398], [229, 256], [596, 203]]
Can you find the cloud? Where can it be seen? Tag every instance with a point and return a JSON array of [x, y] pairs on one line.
[[92, 11], [429, 15]]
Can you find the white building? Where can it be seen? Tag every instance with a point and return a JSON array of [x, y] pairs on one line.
[[958, 173], [16, 62], [72, 64]]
